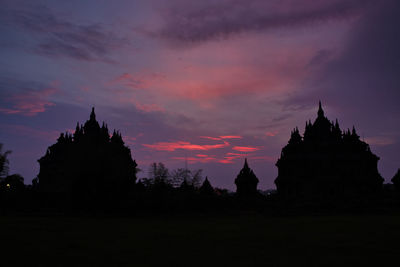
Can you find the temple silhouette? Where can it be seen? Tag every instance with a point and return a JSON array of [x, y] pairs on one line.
[[326, 163], [396, 180], [88, 165], [206, 188], [246, 182]]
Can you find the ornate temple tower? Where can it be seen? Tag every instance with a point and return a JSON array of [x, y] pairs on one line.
[[87, 165], [326, 163]]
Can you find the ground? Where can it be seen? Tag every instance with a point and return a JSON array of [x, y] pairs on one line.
[[230, 240]]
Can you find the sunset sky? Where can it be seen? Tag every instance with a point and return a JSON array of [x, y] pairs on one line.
[[210, 81]]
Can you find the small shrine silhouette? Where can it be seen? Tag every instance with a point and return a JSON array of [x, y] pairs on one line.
[[327, 163], [246, 181], [206, 188]]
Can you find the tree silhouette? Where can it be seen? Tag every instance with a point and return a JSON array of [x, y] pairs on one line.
[[179, 175], [3, 162], [191, 177], [159, 174], [12, 183]]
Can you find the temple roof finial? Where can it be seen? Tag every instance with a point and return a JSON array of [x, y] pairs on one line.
[[320, 110], [246, 165], [92, 115]]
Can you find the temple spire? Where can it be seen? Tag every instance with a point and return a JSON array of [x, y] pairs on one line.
[[92, 115], [320, 110]]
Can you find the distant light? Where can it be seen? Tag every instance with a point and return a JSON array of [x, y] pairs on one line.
[[8, 185]]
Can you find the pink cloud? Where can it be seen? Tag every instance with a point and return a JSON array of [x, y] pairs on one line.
[[271, 133], [245, 148], [149, 107], [141, 80], [225, 161], [231, 137], [235, 154], [139, 105], [222, 137], [230, 157], [380, 140], [213, 82], [211, 138], [30, 103], [203, 83], [130, 140], [23, 130], [196, 159], [202, 158], [172, 146]]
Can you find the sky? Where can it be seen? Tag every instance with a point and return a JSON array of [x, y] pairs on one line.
[[204, 82]]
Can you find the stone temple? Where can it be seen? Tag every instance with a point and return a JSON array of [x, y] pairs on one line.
[[326, 163], [89, 165]]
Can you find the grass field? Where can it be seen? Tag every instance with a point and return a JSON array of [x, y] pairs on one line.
[[245, 240]]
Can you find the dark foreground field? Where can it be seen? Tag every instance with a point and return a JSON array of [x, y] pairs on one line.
[[246, 240]]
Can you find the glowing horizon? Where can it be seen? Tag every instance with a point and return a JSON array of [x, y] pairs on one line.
[[200, 82]]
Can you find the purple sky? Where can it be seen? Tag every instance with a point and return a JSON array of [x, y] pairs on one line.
[[210, 81]]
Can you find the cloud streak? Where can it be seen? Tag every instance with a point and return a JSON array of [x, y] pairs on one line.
[[61, 38], [222, 137], [172, 146], [245, 148], [22, 130], [25, 98], [212, 20]]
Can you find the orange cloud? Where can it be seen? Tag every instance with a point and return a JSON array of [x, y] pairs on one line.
[[245, 148], [172, 146]]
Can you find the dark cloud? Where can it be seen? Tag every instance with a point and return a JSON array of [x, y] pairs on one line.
[[366, 75], [194, 23], [60, 38], [363, 83]]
